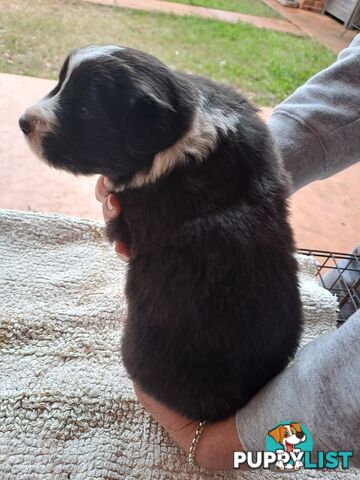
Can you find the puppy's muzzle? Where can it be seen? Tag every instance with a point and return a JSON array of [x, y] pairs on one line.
[[33, 120], [39, 118], [26, 124], [36, 122]]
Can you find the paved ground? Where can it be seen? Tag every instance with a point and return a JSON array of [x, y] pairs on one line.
[[296, 20], [323, 28], [185, 10], [325, 215]]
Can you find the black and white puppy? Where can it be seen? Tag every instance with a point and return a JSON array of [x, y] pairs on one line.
[[214, 310]]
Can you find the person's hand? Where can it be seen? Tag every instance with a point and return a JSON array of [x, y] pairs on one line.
[[217, 443], [111, 209]]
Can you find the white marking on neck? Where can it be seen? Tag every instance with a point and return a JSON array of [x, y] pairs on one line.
[[198, 142]]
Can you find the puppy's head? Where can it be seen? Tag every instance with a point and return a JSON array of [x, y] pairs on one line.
[[112, 110]]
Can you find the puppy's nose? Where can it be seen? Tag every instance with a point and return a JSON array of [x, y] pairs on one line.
[[299, 435], [25, 124]]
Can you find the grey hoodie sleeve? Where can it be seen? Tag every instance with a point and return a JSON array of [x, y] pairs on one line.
[[317, 129], [321, 390]]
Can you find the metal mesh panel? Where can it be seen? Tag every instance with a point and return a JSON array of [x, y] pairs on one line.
[[340, 274]]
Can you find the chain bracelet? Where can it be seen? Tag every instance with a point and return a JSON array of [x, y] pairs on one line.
[[195, 442]]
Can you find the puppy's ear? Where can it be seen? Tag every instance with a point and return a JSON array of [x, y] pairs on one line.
[[296, 426], [276, 433], [150, 124]]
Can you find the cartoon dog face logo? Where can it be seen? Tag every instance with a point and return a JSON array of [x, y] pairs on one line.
[[288, 436]]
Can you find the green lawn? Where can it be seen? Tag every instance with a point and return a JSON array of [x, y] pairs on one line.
[[36, 36], [250, 7]]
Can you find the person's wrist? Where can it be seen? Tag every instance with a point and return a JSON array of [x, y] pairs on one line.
[[183, 434], [219, 440], [195, 442]]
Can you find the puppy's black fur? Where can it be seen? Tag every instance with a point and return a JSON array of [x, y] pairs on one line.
[[214, 310]]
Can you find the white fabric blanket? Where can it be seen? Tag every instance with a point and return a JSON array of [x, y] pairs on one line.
[[67, 408]]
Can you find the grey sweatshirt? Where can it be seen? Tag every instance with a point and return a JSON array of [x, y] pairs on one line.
[[317, 130]]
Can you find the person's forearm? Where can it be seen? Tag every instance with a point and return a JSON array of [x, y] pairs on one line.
[[317, 129]]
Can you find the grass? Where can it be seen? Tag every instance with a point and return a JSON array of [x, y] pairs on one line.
[[36, 36], [250, 7]]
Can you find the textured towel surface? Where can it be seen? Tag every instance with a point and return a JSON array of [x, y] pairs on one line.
[[67, 408]]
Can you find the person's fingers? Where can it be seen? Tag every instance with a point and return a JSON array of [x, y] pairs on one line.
[[102, 188], [122, 250], [111, 207]]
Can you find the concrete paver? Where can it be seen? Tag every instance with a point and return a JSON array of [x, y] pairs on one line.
[[323, 214], [25, 182], [279, 25], [323, 28]]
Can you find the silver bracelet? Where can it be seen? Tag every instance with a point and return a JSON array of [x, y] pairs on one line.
[[195, 442]]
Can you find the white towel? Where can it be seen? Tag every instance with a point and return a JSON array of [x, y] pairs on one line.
[[67, 408]]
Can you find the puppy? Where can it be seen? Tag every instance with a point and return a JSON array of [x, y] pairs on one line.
[[214, 310]]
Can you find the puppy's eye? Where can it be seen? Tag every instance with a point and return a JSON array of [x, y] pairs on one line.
[[83, 110], [286, 433]]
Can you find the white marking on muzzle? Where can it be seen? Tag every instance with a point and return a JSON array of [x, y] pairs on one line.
[[43, 119], [43, 113]]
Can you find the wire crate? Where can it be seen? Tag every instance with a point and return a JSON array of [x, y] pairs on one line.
[[340, 274]]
